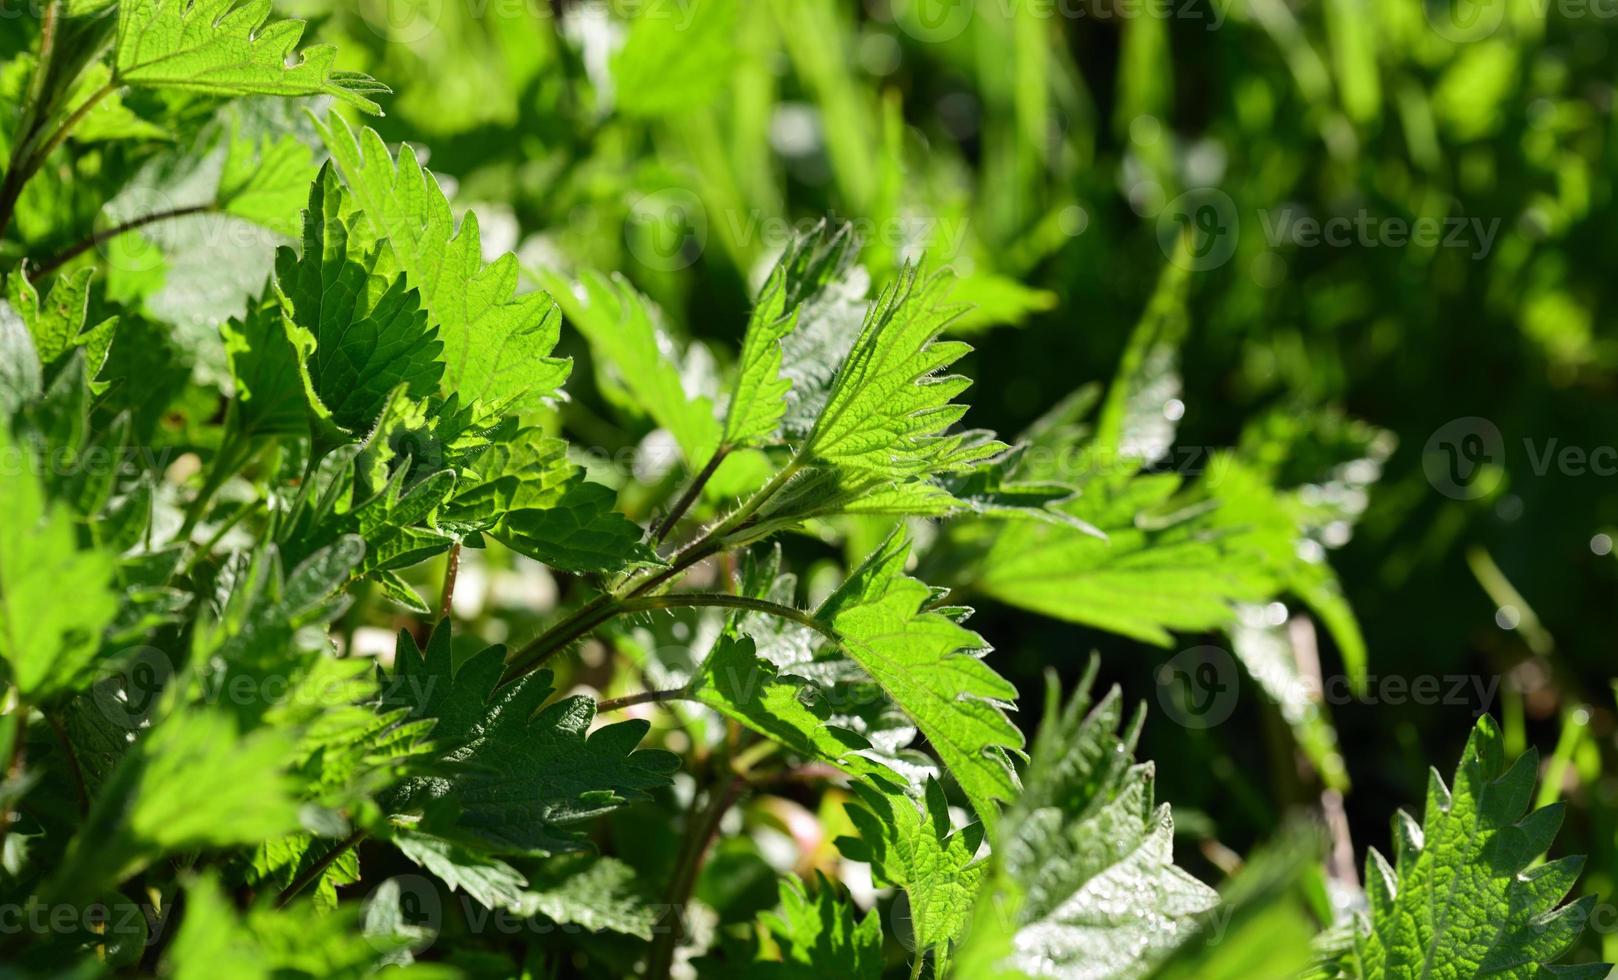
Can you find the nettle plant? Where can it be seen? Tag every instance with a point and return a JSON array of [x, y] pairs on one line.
[[201, 780]]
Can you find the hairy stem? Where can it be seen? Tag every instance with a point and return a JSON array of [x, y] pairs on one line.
[[452, 570], [699, 836], [644, 697], [713, 540], [605, 608], [312, 873], [531, 657], [692, 492], [47, 49], [25, 164], [608, 605], [231, 457], [72, 764], [688, 600], [198, 554], [51, 142], [100, 238], [14, 764]]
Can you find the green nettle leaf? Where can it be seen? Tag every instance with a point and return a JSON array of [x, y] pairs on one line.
[[580, 531], [819, 936], [992, 489], [264, 366], [1161, 566], [738, 683], [189, 782], [229, 48], [1082, 880], [490, 881], [880, 444], [397, 523], [57, 322], [55, 598], [526, 492], [264, 179], [214, 940], [1464, 896], [932, 667], [516, 775], [916, 848], [888, 410], [276, 863], [495, 341], [358, 334], [21, 374], [592, 892], [811, 266]]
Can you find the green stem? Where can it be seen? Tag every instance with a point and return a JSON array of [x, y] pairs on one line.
[[608, 605], [14, 764], [589, 616], [644, 697], [231, 457], [678, 563], [312, 873], [24, 164], [1574, 723], [535, 654], [757, 500], [47, 50], [725, 600], [699, 837], [690, 496], [38, 157], [751, 756], [197, 555], [101, 237], [452, 571], [72, 764], [714, 539]]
